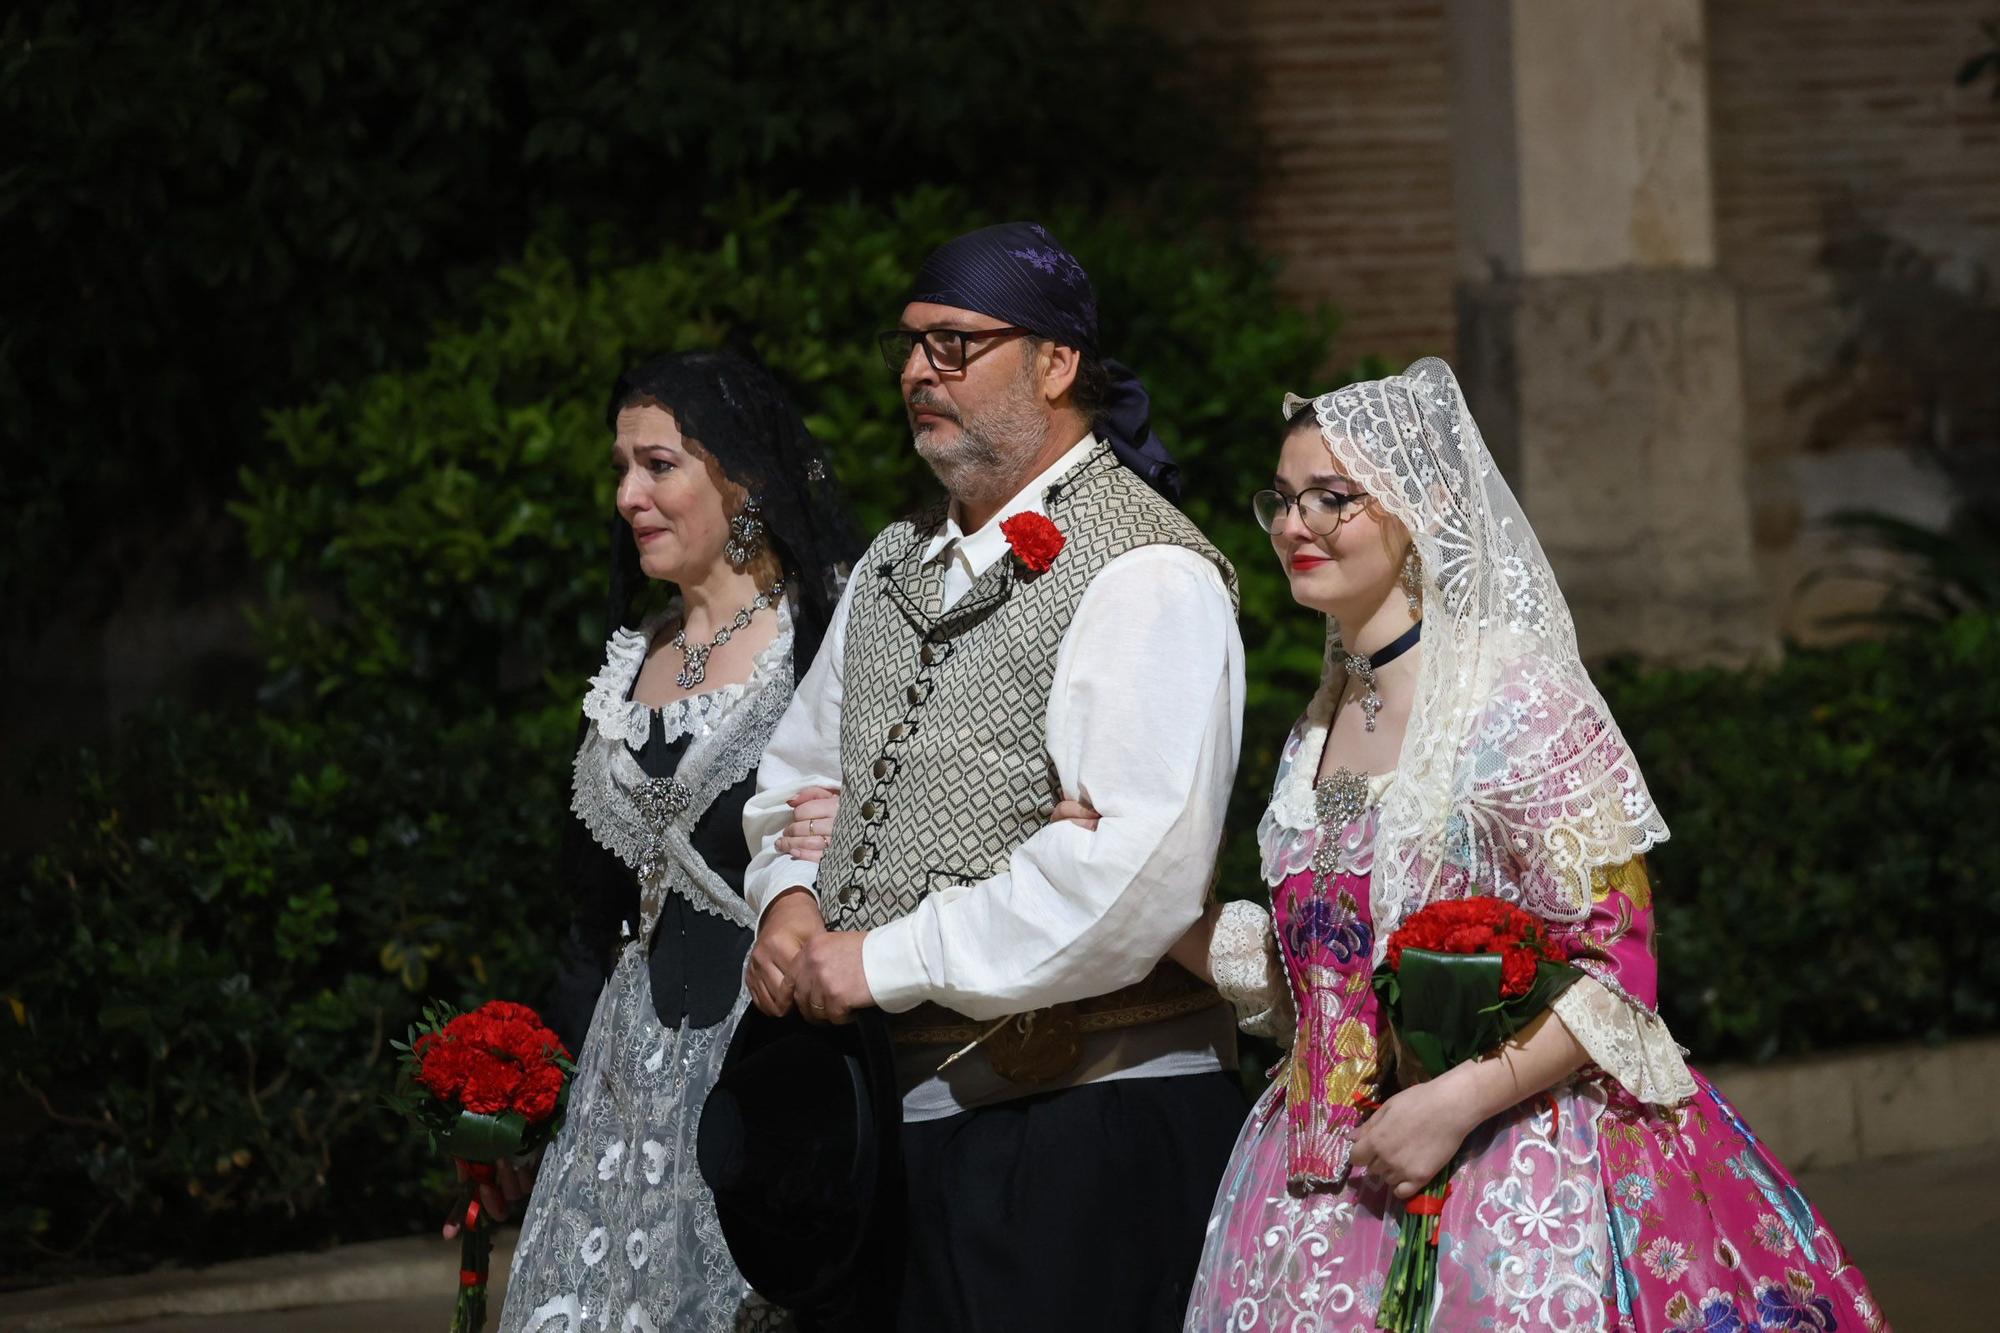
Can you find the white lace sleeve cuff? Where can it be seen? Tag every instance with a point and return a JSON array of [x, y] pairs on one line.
[[1627, 1041], [1243, 959]]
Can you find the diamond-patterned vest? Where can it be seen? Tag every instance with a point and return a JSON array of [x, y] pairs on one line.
[[944, 748]]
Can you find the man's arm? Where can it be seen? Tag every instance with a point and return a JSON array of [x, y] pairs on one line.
[[1144, 721], [804, 752]]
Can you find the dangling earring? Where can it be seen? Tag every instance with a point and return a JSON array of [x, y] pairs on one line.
[[746, 536], [1413, 584]]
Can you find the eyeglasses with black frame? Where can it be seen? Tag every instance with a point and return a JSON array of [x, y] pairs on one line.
[[1321, 510], [945, 349]]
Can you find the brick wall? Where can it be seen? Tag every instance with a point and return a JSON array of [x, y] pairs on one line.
[[1858, 205], [1858, 217], [1351, 101]]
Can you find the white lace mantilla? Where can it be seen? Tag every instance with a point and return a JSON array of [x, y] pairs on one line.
[[1515, 781], [646, 822]]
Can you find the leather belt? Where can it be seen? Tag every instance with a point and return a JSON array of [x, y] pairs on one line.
[[1042, 1045]]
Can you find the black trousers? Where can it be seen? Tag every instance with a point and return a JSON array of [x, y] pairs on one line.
[[1082, 1209]]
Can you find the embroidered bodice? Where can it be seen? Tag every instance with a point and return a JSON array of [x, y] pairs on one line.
[[1325, 932], [1304, 972], [646, 820]]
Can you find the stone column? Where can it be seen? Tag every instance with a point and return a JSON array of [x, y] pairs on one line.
[[1597, 343]]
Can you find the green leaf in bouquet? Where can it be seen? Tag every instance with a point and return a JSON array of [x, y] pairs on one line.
[[1445, 1001], [485, 1138], [1448, 1008], [1427, 1048]]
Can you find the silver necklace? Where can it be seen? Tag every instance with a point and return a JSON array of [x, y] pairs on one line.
[[694, 666]]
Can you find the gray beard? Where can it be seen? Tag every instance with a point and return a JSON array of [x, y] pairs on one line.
[[962, 463], [989, 448]]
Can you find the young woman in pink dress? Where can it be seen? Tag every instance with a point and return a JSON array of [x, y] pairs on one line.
[[1457, 746]]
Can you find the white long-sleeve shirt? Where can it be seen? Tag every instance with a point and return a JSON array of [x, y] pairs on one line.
[[1143, 721]]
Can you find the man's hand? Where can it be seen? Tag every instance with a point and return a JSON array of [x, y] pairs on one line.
[[828, 979], [1074, 812], [790, 921]]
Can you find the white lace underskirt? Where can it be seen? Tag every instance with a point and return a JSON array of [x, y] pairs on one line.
[[621, 1234]]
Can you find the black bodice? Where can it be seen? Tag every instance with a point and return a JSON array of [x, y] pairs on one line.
[[696, 957]]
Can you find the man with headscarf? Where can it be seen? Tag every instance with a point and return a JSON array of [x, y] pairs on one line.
[[1058, 631]]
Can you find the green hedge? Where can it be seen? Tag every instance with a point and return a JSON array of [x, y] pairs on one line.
[[1833, 875], [204, 965]]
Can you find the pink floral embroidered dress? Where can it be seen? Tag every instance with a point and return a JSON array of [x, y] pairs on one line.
[[1631, 1197]]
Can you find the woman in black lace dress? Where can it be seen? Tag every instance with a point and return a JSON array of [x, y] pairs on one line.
[[723, 494]]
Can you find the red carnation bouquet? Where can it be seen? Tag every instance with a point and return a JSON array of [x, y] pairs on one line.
[[1457, 980], [484, 1085]]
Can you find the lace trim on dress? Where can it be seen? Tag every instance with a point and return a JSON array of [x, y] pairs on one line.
[[609, 702], [1249, 973], [1289, 832], [1626, 1040], [646, 822]]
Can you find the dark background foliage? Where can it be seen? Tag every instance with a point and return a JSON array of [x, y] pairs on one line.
[[204, 965], [231, 206]]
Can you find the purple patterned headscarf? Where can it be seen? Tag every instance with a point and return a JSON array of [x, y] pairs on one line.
[[1018, 272]]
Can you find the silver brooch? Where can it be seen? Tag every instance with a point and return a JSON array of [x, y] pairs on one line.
[[660, 801], [1340, 798]]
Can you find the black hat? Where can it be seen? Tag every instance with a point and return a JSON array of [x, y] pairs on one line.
[[799, 1142]]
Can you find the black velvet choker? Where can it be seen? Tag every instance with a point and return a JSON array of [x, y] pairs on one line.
[[1363, 669]]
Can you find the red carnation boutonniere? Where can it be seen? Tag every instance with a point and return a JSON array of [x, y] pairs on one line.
[[1036, 541]]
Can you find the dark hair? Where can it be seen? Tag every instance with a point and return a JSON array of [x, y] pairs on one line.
[[1302, 415], [737, 412], [1090, 391]]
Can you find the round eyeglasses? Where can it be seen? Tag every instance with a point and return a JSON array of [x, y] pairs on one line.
[[945, 349], [1321, 510]]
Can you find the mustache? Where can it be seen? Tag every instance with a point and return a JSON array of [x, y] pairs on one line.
[[924, 400]]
